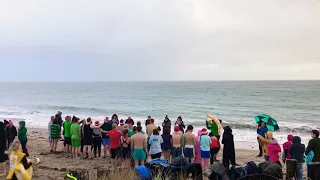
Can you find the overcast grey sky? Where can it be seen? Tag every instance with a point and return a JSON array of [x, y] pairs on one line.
[[145, 40]]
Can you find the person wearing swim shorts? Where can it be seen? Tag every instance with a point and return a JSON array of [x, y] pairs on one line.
[[205, 142], [138, 144], [75, 131], [177, 142], [115, 146], [190, 141], [106, 127]]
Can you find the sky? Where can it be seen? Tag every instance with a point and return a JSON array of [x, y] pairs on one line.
[[159, 40]]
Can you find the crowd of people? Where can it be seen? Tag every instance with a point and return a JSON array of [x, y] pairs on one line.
[[124, 141]]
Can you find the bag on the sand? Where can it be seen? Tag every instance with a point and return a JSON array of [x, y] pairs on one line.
[[270, 168]]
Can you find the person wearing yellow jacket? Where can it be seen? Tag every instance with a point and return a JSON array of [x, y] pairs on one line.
[[20, 165], [265, 141]]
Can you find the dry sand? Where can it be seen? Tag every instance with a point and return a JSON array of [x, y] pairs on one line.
[[55, 166]]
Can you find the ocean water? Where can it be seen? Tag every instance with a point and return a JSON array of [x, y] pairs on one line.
[[294, 104]]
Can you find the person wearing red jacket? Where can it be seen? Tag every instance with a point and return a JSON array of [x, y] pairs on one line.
[[274, 150], [214, 148], [286, 147]]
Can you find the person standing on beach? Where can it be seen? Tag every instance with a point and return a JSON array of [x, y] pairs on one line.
[[115, 146], [22, 136], [166, 146], [228, 148], [314, 145], [67, 136], [166, 123], [190, 141], [177, 142], [49, 131], [180, 124], [97, 138], [87, 133], [297, 152], [55, 134], [274, 150], [261, 130], [214, 148], [155, 142], [265, 142], [107, 126], [114, 119], [205, 142], [58, 116], [2, 149], [286, 147], [148, 121], [125, 148], [75, 131], [130, 121], [120, 127], [214, 129], [11, 132], [151, 127], [138, 147]]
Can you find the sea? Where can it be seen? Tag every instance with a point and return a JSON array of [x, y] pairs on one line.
[[294, 104]]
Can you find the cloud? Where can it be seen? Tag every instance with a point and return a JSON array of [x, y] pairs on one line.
[[160, 40]]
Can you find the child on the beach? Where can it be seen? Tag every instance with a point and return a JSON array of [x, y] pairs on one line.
[[190, 141], [155, 144], [49, 131], [274, 150], [75, 131], [177, 142], [22, 136], [167, 144], [55, 134], [265, 142], [228, 148], [214, 148], [205, 142], [20, 165], [286, 147]]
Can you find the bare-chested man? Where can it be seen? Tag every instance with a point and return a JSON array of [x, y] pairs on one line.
[[138, 145], [151, 127], [177, 142], [190, 141]]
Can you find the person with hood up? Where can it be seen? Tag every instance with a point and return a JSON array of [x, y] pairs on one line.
[[274, 150], [228, 148], [22, 136], [297, 152], [265, 142], [286, 147], [166, 123], [198, 148]]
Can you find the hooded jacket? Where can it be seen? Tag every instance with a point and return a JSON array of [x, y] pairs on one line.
[[228, 149], [287, 146], [297, 149], [22, 132], [266, 142], [274, 150]]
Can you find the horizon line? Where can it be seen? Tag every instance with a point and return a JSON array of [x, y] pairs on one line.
[[110, 81]]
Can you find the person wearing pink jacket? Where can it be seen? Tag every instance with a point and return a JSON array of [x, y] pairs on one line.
[[286, 147], [274, 151]]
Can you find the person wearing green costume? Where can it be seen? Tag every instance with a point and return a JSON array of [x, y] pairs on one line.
[[22, 136], [214, 129]]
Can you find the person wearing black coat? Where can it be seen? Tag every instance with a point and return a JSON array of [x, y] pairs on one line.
[[11, 132], [2, 149], [228, 148], [297, 152]]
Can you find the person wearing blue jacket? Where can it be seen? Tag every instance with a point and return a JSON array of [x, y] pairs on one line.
[[261, 130]]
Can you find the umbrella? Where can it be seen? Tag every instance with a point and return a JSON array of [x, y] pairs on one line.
[[271, 123], [215, 120]]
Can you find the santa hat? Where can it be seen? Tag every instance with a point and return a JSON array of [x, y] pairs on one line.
[[176, 129], [204, 131]]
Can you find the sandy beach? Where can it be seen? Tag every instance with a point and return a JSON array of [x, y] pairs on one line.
[[55, 166]]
